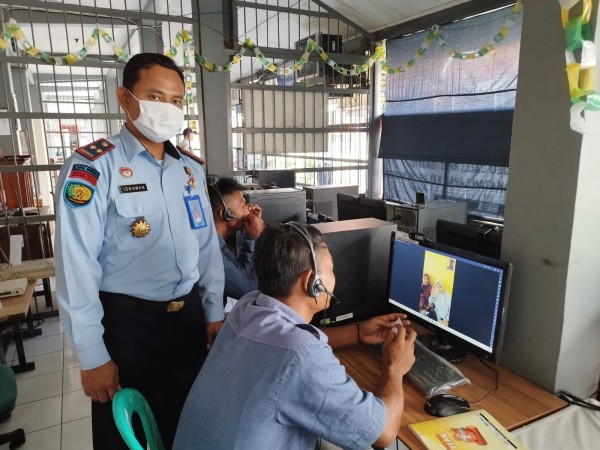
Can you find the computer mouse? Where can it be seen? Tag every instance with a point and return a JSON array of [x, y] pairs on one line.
[[443, 405]]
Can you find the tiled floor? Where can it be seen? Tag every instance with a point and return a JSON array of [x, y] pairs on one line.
[[51, 406]]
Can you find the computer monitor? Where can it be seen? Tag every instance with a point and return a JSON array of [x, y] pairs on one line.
[[279, 205], [359, 207], [484, 240], [277, 178], [467, 313], [361, 250]]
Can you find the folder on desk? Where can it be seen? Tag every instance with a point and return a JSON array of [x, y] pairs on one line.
[[11, 288], [470, 430]]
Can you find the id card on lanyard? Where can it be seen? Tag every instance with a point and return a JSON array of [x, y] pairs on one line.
[[195, 211]]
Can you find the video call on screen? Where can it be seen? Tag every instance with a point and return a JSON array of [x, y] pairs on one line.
[[473, 288]]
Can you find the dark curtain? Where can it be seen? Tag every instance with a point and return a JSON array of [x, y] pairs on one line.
[[447, 124]]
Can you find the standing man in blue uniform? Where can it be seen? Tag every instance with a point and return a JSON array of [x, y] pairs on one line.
[[139, 271]]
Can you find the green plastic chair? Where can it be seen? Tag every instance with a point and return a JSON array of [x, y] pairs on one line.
[[126, 402]]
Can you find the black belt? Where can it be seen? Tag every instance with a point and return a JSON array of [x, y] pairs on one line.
[[130, 303]]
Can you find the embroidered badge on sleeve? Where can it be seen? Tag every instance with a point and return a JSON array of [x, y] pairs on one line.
[[78, 194], [84, 172], [96, 149]]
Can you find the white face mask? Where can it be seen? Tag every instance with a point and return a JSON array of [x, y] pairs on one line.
[[158, 121]]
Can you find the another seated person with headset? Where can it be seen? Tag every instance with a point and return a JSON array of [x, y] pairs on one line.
[[271, 380], [231, 213]]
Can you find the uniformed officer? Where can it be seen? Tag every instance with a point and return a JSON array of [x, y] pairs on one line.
[[139, 270]]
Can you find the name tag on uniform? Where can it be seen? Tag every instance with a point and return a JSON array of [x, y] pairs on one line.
[[129, 188], [195, 211]]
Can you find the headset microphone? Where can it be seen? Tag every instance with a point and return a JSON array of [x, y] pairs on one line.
[[328, 292]]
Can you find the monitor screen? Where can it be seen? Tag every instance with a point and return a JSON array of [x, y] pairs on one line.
[[358, 207], [461, 296], [483, 240], [284, 178]]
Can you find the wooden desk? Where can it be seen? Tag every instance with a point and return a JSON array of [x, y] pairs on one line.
[[34, 269], [14, 310], [515, 403]]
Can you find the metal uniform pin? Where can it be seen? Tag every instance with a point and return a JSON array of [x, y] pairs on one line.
[[192, 181], [140, 227]]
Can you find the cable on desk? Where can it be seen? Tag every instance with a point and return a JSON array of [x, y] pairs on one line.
[[495, 382], [574, 400]]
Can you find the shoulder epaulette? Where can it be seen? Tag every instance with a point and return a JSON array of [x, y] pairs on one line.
[[96, 149], [190, 155]]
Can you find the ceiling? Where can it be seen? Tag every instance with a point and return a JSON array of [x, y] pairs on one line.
[[376, 15]]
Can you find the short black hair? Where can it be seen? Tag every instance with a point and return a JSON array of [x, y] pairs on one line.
[[281, 255], [141, 61], [223, 186], [187, 131]]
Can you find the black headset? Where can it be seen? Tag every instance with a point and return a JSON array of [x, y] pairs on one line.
[[227, 215], [315, 286]]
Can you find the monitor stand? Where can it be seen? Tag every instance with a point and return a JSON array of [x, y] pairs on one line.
[[442, 347]]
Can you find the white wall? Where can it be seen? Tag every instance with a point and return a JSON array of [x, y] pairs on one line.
[[552, 221]]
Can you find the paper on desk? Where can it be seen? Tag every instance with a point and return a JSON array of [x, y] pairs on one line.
[[16, 249]]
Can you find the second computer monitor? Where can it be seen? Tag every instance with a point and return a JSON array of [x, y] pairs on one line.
[[359, 207], [277, 178], [483, 240]]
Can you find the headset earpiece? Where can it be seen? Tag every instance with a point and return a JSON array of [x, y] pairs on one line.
[[314, 286], [226, 214]]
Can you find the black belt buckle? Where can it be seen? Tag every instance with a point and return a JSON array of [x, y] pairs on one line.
[[175, 306]]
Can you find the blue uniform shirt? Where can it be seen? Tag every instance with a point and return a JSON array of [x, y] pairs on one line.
[[269, 384], [240, 276], [98, 198]]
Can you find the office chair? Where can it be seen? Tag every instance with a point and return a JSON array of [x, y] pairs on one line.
[[8, 398], [126, 402]]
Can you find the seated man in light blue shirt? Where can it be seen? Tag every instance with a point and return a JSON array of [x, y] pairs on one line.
[[271, 380], [231, 213]]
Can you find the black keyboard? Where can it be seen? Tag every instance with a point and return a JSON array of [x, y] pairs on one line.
[[430, 373]]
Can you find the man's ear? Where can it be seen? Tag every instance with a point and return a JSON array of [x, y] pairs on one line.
[[124, 97], [304, 279]]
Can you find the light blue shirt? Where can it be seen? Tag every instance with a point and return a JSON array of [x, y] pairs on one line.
[[97, 202], [271, 382], [240, 276]]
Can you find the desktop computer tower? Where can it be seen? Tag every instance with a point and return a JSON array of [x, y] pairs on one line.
[[424, 218], [323, 199], [361, 253]]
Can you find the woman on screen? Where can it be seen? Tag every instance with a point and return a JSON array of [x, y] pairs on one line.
[[439, 302], [425, 293]]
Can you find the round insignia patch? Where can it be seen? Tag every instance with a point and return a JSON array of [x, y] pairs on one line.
[[78, 194], [126, 172]]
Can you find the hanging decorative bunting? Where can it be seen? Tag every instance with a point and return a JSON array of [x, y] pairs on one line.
[[184, 39], [580, 74]]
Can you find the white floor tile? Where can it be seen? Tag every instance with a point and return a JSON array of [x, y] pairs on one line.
[[70, 359], [72, 380], [46, 363], [76, 405], [11, 353], [37, 388], [66, 343], [34, 416], [46, 439], [50, 328], [42, 345], [77, 435]]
